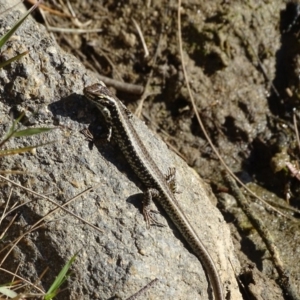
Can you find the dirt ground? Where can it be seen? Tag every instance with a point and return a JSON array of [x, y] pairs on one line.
[[243, 66]]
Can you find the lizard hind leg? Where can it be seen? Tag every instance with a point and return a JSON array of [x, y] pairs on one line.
[[147, 211]]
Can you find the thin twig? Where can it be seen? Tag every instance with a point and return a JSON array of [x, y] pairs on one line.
[[141, 37], [122, 86], [38, 223], [142, 290], [53, 202], [23, 279]]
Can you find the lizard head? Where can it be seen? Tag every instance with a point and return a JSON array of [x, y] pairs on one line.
[[100, 95]]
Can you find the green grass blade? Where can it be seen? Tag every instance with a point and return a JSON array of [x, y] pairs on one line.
[[6, 36], [30, 131], [7, 62], [60, 279], [11, 129]]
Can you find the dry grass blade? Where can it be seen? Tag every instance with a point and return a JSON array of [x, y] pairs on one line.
[[50, 10], [22, 279], [40, 222], [138, 28], [71, 15], [53, 202]]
